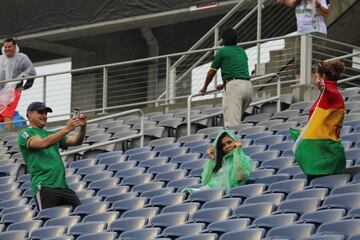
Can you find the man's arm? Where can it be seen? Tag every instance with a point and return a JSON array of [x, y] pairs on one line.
[[79, 136], [52, 139], [209, 77], [28, 70]]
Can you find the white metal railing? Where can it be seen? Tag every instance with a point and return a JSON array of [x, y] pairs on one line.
[[110, 81], [101, 144], [277, 97]]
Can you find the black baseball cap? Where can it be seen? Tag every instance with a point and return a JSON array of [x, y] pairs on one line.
[[38, 106]]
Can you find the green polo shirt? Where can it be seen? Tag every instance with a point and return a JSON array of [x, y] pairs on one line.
[[45, 165], [233, 62]]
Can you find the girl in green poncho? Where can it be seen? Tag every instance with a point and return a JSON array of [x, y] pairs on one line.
[[228, 166]]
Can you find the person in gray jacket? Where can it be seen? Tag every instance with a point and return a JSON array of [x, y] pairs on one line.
[[13, 65]]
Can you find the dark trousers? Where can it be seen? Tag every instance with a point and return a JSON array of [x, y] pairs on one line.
[[53, 197]]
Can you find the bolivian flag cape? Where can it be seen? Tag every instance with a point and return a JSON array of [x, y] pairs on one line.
[[317, 148]]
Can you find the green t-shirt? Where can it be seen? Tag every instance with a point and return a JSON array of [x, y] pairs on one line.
[[233, 62], [45, 166]]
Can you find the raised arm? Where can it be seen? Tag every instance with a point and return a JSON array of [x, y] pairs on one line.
[[79, 137], [52, 139]]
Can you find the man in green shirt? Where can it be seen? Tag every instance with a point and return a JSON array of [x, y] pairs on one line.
[[238, 89], [40, 151]]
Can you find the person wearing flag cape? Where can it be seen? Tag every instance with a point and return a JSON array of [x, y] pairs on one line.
[[318, 149]]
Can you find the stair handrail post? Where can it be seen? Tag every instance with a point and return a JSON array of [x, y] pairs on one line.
[[258, 36], [305, 59]]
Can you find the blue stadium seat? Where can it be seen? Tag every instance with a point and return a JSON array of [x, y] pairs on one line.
[[67, 222], [147, 186], [137, 179], [347, 227], [272, 179], [90, 208], [279, 163], [47, 232], [247, 190], [323, 216], [264, 155], [157, 192], [253, 210], [87, 228], [171, 175], [98, 236], [347, 201], [331, 181], [130, 172], [144, 233], [309, 193], [19, 216], [274, 198], [294, 231], [225, 202], [112, 191], [183, 230], [164, 220], [205, 195], [148, 212], [248, 234], [189, 207], [259, 173], [107, 217], [18, 234], [167, 199], [53, 212], [209, 215], [126, 224], [272, 221], [163, 168], [29, 226], [185, 158], [128, 204], [298, 206], [287, 186], [165, 147]]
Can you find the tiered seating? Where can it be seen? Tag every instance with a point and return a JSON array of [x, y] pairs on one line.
[[136, 192]]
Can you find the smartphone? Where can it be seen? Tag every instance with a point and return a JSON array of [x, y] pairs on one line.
[[76, 112]]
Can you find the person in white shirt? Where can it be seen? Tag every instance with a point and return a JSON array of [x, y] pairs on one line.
[[310, 14]]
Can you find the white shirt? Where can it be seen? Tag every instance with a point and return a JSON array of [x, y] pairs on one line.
[[309, 18]]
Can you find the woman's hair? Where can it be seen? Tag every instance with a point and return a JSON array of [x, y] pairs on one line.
[[332, 69], [219, 153]]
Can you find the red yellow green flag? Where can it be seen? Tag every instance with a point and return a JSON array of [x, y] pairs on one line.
[[317, 148]]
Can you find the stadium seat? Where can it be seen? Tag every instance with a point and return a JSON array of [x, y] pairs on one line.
[[120, 196], [98, 236], [104, 183], [309, 193], [205, 195], [144, 233], [168, 173], [253, 210], [298, 206], [164, 220], [184, 182], [173, 152], [245, 191], [347, 201], [90, 208], [272, 179], [136, 179], [202, 236], [18, 234], [348, 188], [274, 198], [209, 215], [248, 234], [166, 168], [19, 216], [112, 191], [330, 182], [272, 221], [47, 232], [29, 226], [53, 212], [269, 139], [229, 225], [87, 228], [183, 230], [347, 227], [185, 158], [147, 186], [287, 186], [189, 208], [67, 222], [157, 192], [279, 163], [128, 204], [264, 156], [254, 149], [259, 173], [294, 231], [153, 162], [130, 172], [323, 216], [167, 199], [148, 212], [126, 224], [225, 202]]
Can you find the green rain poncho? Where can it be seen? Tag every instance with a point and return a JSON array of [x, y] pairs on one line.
[[226, 176]]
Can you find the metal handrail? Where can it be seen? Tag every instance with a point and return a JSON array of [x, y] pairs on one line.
[[139, 135], [277, 97]]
